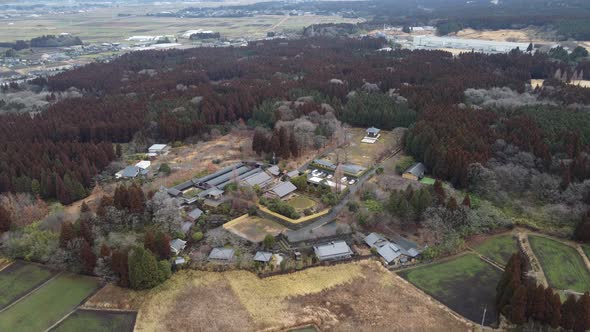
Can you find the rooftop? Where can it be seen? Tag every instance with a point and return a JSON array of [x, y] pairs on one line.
[[130, 171], [417, 170], [259, 179], [177, 244], [222, 254], [263, 256], [333, 250], [158, 147], [283, 189], [195, 214]]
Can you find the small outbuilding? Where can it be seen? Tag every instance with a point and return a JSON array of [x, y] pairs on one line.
[[159, 149], [221, 255], [263, 256], [373, 132], [144, 164], [274, 170], [177, 245], [195, 214], [415, 172], [334, 250], [129, 172]]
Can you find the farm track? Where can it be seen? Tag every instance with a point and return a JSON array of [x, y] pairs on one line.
[[537, 271], [486, 259]]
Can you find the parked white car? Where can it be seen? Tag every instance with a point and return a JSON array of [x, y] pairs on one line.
[[344, 179], [330, 176], [351, 182], [315, 172]]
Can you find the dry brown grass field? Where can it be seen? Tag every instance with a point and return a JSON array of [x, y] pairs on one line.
[[360, 296], [361, 153], [254, 228], [512, 35]]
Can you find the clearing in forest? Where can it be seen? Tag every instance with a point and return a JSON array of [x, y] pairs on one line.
[[465, 284], [563, 266]]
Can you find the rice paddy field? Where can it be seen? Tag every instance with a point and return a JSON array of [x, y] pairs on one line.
[[465, 284], [20, 278], [498, 248], [562, 265], [44, 307], [97, 321]]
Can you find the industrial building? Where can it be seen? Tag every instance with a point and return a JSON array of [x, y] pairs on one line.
[[477, 45]]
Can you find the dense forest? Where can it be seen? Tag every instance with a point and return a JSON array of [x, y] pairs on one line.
[[175, 94]]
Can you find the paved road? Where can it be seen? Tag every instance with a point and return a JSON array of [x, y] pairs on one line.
[[303, 233]]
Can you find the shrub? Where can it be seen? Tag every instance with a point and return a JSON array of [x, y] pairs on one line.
[[165, 168], [352, 206], [145, 271], [197, 236], [280, 207], [268, 241]]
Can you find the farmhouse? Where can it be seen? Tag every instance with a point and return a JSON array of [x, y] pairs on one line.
[[130, 172], [159, 149], [335, 250], [177, 245], [373, 132], [392, 253], [221, 255], [293, 174], [318, 181], [282, 190], [347, 169], [415, 172], [263, 256]]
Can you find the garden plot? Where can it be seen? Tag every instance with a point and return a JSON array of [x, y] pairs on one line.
[[19, 279], [253, 228], [563, 266], [301, 203], [465, 284], [97, 321]]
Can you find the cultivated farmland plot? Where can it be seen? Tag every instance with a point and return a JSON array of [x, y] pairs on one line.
[[465, 284], [563, 266], [498, 248], [19, 279], [97, 321], [41, 309]]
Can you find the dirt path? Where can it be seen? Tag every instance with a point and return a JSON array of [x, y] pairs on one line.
[[578, 247], [536, 270], [486, 259], [283, 20]]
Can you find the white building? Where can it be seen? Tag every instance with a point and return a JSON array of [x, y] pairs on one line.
[[477, 45], [159, 149]]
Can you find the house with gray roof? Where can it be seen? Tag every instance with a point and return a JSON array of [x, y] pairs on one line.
[[373, 132], [400, 251], [282, 190], [263, 256], [293, 174], [274, 170], [415, 172], [334, 250], [177, 245], [221, 255], [130, 172], [158, 148], [194, 214]]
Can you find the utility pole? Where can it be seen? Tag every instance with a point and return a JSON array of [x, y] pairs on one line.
[[484, 316]]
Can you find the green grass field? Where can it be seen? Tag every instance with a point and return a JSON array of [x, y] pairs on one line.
[[301, 203], [97, 321], [20, 278], [498, 248], [563, 266], [465, 284], [43, 308], [427, 180]]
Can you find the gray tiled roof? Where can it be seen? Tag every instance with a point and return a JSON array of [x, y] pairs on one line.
[[263, 256], [283, 189], [417, 170], [196, 213], [333, 250], [131, 171], [223, 254], [258, 179]]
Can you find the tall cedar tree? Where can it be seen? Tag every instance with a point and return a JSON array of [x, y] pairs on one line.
[[105, 251], [5, 219], [439, 193], [582, 313], [86, 230], [136, 199], [88, 258], [149, 242], [466, 201], [121, 198], [120, 265], [518, 306], [555, 304], [163, 246], [66, 234]]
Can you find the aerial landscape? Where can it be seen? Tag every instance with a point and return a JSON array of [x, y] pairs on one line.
[[296, 165]]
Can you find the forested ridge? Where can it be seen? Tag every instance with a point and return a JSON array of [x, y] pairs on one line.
[[175, 94]]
